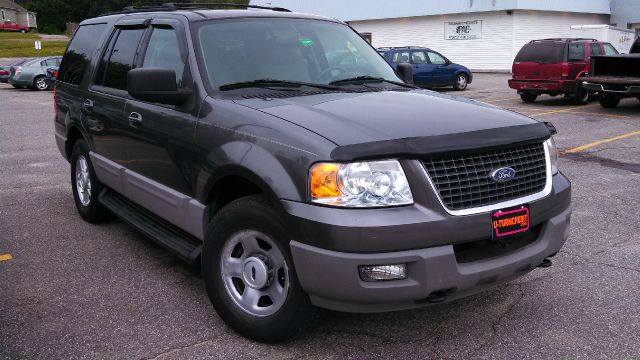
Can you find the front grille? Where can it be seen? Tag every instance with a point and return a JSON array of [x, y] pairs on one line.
[[465, 181]]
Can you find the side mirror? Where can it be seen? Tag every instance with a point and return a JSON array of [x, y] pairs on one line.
[[405, 71], [156, 85]]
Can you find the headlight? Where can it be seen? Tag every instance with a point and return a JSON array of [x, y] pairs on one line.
[[360, 184], [553, 154]]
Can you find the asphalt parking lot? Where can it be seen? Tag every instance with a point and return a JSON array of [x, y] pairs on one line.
[[69, 289]]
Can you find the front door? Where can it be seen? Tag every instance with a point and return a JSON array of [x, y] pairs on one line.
[[163, 134], [443, 74]]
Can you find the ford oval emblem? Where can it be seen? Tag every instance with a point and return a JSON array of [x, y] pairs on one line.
[[503, 174]]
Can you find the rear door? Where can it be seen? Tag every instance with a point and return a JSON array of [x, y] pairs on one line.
[[162, 143], [103, 106], [577, 58]]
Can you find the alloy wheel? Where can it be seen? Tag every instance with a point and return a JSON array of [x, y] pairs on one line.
[[83, 180]]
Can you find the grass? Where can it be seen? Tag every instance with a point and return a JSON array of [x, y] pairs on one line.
[[16, 45], [16, 35]]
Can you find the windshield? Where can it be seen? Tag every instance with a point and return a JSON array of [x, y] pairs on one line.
[[296, 50], [542, 52]]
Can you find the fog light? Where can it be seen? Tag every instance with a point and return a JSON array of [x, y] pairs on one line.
[[383, 272]]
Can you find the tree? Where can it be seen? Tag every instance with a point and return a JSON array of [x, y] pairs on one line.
[[54, 14]]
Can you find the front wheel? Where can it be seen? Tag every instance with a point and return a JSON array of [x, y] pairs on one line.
[[608, 100], [461, 82], [249, 275], [23, 31], [528, 97], [581, 95]]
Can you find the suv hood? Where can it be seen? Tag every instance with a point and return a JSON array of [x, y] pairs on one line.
[[379, 117]]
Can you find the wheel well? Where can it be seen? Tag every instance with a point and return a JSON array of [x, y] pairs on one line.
[[72, 136], [229, 189]]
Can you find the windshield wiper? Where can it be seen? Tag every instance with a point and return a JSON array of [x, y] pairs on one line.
[[276, 83], [368, 78]]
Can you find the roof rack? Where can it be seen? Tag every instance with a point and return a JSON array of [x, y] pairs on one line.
[[189, 6], [182, 6], [565, 39]]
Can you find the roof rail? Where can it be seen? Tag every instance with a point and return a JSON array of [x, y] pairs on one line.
[[566, 39], [186, 6]]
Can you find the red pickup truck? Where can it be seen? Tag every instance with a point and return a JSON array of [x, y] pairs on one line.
[[13, 26]]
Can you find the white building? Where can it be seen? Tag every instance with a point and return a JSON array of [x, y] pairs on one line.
[[480, 34]]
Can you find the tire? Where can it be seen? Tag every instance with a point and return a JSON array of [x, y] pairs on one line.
[[85, 185], [581, 95], [23, 31], [40, 83], [528, 97], [608, 100], [251, 233], [462, 81]]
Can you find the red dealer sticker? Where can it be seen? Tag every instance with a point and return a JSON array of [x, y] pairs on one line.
[[510, 222]]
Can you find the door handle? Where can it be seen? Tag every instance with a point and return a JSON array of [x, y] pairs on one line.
[[87, 105], [135, 119]]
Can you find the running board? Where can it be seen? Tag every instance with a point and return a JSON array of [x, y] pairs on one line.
[[179, 242]]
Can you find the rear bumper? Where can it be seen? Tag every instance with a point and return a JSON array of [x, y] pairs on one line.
[[617, 89], [332, 280], [543, 86]]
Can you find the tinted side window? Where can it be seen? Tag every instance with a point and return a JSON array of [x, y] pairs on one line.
[[120, 58], [163, 51], [609, 49], [595, 49], [576, 52], [78, 56]]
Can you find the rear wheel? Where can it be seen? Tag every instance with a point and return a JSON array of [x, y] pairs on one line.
[[40, 83], [461, 82], [249, 275], [608, 100], [528, 97], [85, 185]]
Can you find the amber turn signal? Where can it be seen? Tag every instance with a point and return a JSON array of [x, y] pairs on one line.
[[323, 182]]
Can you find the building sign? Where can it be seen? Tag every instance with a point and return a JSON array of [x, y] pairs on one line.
[[463, 30]]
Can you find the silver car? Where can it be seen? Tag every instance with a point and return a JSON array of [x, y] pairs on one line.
[[32, 74]]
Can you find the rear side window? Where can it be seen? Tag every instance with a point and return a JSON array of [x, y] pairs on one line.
[[78, 56], [401, 57], [118, 59], [418, 57], [542, 52], [595, 49], [576, 52], [164, 51], [609, 49]]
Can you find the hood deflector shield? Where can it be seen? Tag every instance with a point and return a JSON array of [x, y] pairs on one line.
[[460, 142]]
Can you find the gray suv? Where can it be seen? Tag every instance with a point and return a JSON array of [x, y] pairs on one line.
[[285, 157]]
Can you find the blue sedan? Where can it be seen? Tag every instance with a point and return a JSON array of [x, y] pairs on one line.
[[430, 68]]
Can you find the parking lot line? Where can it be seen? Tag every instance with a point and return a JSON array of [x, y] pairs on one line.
[[601, 114], [554, 111], [496, 100], [595, 143], [5, 257]]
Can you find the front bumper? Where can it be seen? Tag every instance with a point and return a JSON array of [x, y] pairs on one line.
[[543, 86], [332, 280], [331, 243]]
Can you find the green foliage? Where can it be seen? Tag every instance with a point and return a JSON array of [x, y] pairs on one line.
[[11, 35], [54, 14]]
